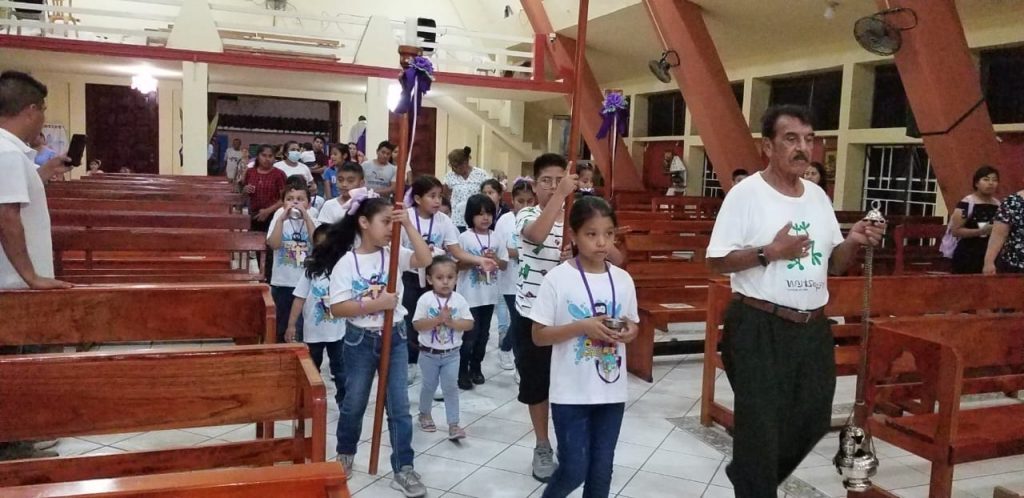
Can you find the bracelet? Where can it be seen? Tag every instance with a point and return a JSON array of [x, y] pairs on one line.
[[762, 257]]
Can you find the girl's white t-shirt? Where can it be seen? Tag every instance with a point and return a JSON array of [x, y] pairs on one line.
[[289, 259], [480, 288], [429, 306], [505, 230], [367, 282], [438, 234], [584, 371], [318, 324]]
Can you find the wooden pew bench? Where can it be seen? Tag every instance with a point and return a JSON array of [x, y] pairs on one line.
[[665, 247], [134, 205], [917, 249], [952, 356], [83, 394], [905, 296], [626, 216], [312, 480], [687, 207], [152, 177], [243, 313], [147, 219], [209, 198], [683, 301], [678, 227]]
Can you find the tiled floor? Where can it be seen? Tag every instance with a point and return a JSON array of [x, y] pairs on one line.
[[662, 451]]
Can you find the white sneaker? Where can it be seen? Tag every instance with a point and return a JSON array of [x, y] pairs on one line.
[[506, 360], [414, 371]]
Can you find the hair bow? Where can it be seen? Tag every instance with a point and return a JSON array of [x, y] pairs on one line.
[[357, 196], [527, 179]]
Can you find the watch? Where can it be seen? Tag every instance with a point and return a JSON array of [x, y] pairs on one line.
[[761, 256]]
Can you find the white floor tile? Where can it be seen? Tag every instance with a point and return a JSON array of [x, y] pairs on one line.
[[632, 455], [498, 429], [109, 439], [650, 485], [662, 405], [70, 446], [718, 492], [681, 465], [469, 450], [442, 473], [681, 441], [493, 483], [646, 431], [158, 440], [518, 459]]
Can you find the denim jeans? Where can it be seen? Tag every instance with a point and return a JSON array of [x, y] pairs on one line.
[[443, 369], [283, 300], [474, 342], [411, 294], [506, 307], [587, 435], [362, 354]]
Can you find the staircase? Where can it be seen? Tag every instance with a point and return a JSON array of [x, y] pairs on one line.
[[503, 117]]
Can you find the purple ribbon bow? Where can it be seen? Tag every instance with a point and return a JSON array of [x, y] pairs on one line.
[[527, 179], [419, 75], [614, 106], [359, 195]]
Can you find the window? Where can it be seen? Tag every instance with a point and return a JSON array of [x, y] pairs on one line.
[[1002, 70], [901, 179], [711, 186], [889, 108], [821, 93], [666, 114]]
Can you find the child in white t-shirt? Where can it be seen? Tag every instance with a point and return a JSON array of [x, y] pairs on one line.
[[290, 239], [480, 287], [588, 357], [508, 279], [348, 178], [358, 293], [441, 317]]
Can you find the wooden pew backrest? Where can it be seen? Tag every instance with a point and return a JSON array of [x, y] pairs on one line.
[[147, 219]]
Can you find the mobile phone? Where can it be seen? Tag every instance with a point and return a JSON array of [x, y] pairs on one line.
[[76, 149]]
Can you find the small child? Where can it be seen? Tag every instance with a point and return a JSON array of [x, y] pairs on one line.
[[586, 180], [441, 317], [358, 293], [505, 232], [289, 237], [321, 329], [492, 188], [349, 178], [315, 201], [588, 358], [479, 286]]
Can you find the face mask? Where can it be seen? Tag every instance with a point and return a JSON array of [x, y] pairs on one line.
[[294, 156], [587, 189]]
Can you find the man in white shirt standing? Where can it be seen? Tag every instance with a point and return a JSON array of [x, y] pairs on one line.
[[778, 238], [379, 173], [26, 258]]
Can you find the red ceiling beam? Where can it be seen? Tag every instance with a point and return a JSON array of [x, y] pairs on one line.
[[943, 87], [705, 87]]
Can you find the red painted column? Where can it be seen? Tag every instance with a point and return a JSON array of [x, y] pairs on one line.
[[561, 52], [705, 87], [942, 84]]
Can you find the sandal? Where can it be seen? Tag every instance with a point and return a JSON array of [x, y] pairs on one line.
[[427, 423]]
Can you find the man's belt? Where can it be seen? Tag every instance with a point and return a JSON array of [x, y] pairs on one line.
[[783, 312]]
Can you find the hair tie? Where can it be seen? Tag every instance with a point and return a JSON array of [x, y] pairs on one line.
[[357, 197], [527, 179]]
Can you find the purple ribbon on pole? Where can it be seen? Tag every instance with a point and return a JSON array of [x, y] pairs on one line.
[[419, 75], [614, 105]]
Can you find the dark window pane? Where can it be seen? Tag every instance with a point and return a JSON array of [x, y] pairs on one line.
[[1002, 72], [889, 107], [666, 114], [819, 92]]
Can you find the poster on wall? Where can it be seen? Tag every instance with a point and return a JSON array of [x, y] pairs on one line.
[[56, 137]]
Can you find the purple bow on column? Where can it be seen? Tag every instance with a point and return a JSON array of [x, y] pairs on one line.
[[614, 105], [418, 76]]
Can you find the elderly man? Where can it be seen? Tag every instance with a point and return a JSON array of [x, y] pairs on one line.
[[778, 238], [26, 260]]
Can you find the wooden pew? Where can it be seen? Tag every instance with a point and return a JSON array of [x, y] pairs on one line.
[[133, 205], [82, 394], [905, 296], [952, 356], [624, 217], [688, 207], [312, 480], [684, 227], [681, 301], [917, 249], [666, 247], [151, 177], [244, 313], [210, 198], [634, 200], [147, 219]]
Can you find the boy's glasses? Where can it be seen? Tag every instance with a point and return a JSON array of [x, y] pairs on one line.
[[548, 181]]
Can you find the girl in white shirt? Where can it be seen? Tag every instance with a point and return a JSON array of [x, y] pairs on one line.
[[358, 293], [588, 361], [479, 286], [441, 317], [508, 283], [290, 239]]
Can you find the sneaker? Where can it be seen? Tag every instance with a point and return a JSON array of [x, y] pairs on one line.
[[414, 371], [346, 462], [505, 360], [464, 383], [543, 463], [455, 432], [477, 378], [408, 482], [427, 423], [517, 377]]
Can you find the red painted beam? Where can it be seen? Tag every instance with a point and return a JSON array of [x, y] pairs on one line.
[[265, 61], [705, 87], [942, 84], [561, 54]]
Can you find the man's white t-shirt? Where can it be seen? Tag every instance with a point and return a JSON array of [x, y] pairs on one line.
[[585, 371], [232, 162], [480, 288], [368, 281], [429, 306], [505, 230], [751, 215], [332, 212], [535, 261], [379, 176], [298, 170], [296, 244], [21, 185], [318, 324]]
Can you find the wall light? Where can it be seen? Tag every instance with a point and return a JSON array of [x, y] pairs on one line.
[[144, 83], [394, 96]]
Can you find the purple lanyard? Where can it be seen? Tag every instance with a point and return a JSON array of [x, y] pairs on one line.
[[451, 332], [357, 263], [430, 229], [590, 295], [478, 241]]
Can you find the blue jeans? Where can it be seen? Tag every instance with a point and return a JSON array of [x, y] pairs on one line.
[[587, 435], [283, 300], [362, 355], [474, 342], [504, 311], [443, 369]]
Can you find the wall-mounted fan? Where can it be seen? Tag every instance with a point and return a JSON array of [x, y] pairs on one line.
[[876, 34], [660, 68], [276, 4]]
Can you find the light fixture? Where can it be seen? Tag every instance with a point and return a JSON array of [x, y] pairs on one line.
[[830, 9], [394, 96], [144, 83]]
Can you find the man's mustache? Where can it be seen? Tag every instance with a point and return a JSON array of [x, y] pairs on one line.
[[800, 156]]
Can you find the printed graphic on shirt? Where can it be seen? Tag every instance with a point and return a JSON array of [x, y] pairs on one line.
[[803, 228], [605, 355], [443, 334], [322, 310], [478, 277], [293, 252], [370, 288]]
